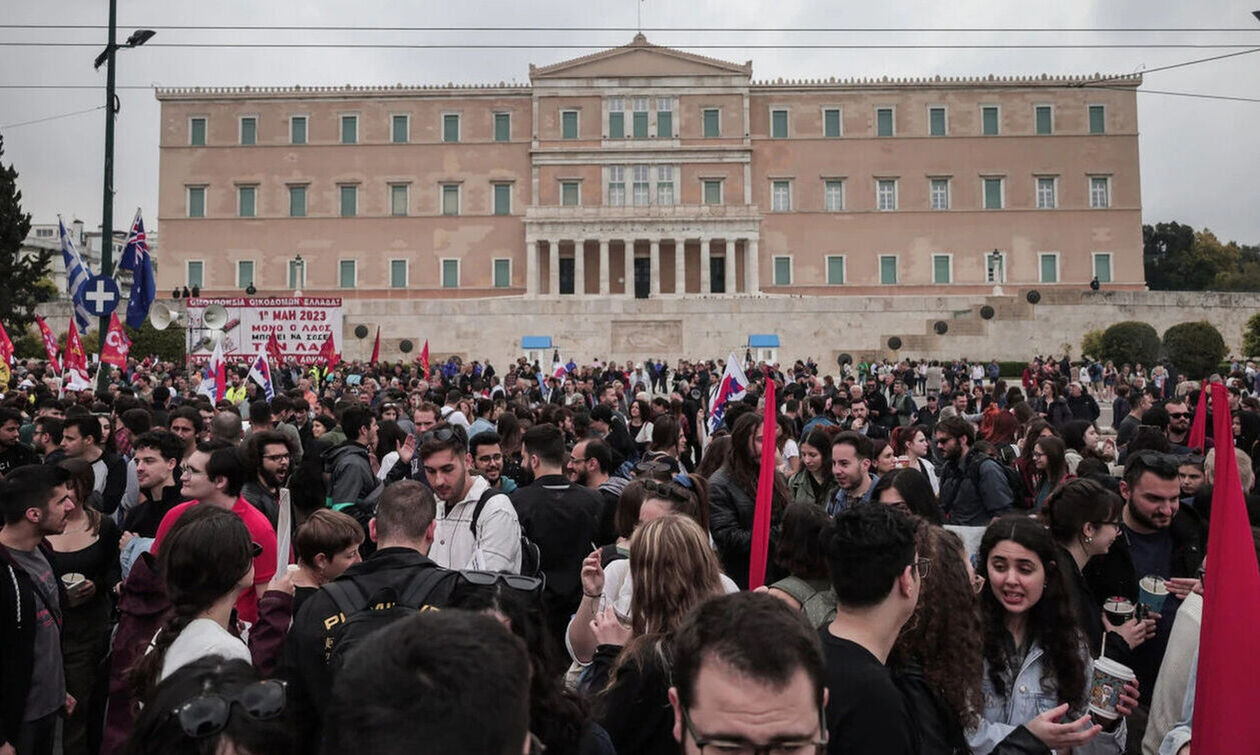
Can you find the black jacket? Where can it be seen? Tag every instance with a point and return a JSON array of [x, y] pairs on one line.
[[1083, 407], [731, 511], [972, 497], [17, 455], [350, 473], [17, 639], [635, 709], [1089, 613]]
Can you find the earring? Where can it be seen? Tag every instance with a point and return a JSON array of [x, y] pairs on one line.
[[1089, 539]]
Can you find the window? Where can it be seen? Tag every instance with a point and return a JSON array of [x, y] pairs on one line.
[[398, 273], [989, 120], [1102, 266], [1099, 192], [502, 272], [568, 124], [640, 185], [1047, 196], [570, 193], [713, 192], [936, 121], [888, 269], [782, 271], [400, 129], [503, 199], [835, 270], [196, 273], [502, 127], [44, 233], [833, 195], [1045, 120], [348, 273], [778, 124], [297, 274], [939, 191], [942, 268], [246, 197], [450, 199], [1049, 264], [616, 118], [249, 130], [665, 118], [712, 123], [665, 184], [450, 273], [450, 127], [196, 201], [781, 196], [349, 129], [886, 194], [992, 193], [398, 199], [349, 201], [197, 132], [244, 273], [831, 122], [297, 201], [616, 186], [640, 118], [884, 121], [297, 129], [1097, 121]]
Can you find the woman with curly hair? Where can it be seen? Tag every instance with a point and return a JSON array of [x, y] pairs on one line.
[[733, 495], [913, 443], [1036, 665], [814, 483]]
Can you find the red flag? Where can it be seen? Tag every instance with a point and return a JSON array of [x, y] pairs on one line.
[[50, 342], [376, 348], [117, 345], [1198, 430], [328, 353], [424, 358], [75, 364], [1224, 706], [6, 346], [273, 349], [765, 494]]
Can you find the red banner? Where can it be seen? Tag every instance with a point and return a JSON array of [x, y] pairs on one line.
[[376, 348], [424, 358], [765, 493], [328, 353], [1198, 427], [50, 342], [117, 345], [273, 350], [6, 346]]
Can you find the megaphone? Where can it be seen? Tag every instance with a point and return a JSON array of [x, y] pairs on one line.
[[162, 316], [215, 317], [208, 342]]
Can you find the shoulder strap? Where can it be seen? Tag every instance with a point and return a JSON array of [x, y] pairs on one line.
[[421, 586], [797, 588], [481, 504], [348, 597]]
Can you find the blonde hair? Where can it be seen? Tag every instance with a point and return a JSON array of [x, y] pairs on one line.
[[673, 568], [1246, 474]]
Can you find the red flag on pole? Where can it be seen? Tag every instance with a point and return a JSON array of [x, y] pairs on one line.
[[328, 353], [424, 358], [376, 347], [117, 345], [50, 342], [6, 346], [75, 372], [1198, 429], [765, 493], [1224, 708], [273, 349]]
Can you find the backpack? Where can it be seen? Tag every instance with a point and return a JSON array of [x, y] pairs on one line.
[[1014, 480], [364, 615], [531, 556]]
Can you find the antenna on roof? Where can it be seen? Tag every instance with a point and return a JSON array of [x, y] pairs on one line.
[[639, 9]]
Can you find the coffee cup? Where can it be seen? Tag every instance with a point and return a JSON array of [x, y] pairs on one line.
[[1118, 610], [1105, 687], [1152, 592], [72, 579]]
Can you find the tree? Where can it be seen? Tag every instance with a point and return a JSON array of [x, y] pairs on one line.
[[1130, 342], [1091, 343], [1165, 246], [22, 273], [168, 344], [1251, 337], [1194, 348]]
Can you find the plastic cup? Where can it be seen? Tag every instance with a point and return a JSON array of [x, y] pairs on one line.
[[72, 579], [1152, 592], [1118, 610], [1105, 687]]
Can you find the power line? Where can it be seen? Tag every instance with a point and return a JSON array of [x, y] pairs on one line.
[[537, 46], [52, 117], [1171, 66], [1197, 95], [654, 30]]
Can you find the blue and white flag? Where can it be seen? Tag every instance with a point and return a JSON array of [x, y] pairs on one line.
[[260, 373], [732, 388], [77, 275], [136, 258]]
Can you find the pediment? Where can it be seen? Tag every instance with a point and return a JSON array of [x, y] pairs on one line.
[[640, 58]]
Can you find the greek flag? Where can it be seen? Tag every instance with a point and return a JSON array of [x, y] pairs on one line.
[[77, 275]]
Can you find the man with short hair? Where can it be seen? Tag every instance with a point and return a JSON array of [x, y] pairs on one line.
[[348, 464], [269, 456], [425, 417], [81, 439], [226, 425], [487, 457], [35, 501], [851, 457], [13, 452], [47, 439], [591, 466], [186, 425], [612, 430], [877, 576], [477, 528], [929, 413], [451, 413], [974, 490], [157, 458], [484, 408], [1081, 404], [860, 420], [902, 407], [1178, 430], [1140, 402], [732, 688]]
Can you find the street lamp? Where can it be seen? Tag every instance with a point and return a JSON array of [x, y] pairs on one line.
[[995, 265]]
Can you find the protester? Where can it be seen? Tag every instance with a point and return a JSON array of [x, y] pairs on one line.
[[268, 454], [807, 588], [852, 460], [590, 465], [157, 459], [1049, 468], [974, 490], [326, 544], [733, 495], [82, 438], [814, 483], [908, 491], [911, 441]]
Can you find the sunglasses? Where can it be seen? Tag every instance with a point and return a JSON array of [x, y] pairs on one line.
[[255, 549], [666, 490], [209, 713], [1179, 415], [514, 581], [441, 435]]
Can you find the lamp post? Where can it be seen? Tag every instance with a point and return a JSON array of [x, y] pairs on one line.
[[996, 265]]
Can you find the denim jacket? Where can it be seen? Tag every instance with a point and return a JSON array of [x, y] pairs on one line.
[[1025, 700]]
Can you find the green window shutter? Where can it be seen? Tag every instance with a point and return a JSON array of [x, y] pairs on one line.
[[197, 202], [450, 273], [712, 124], [297, 201], [990, 117], [569, 124], [249, 131], [398, 273], [297, 130], [884, 121], [400, 129], [640, 125], [1102, 267], [940, 269], [831, 123], [502, 199], [450, 128], [1097, 119], [570, 193], [992, 193], [349, 129], [779, 124], [450, 200], [835, 270], [502, 127], [888, 270], [1044, 119], [247, 200], [502, 273], [347, 274], [664, 124], [782, 271], [1049, 269], [616, 125], [245, 273], [936, 117], [713, 192], [197, 132], [196, 274], [349, 201], [398, 200]]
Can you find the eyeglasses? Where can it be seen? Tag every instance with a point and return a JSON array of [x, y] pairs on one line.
[[652, 468], [921, 566], [514, 581], [255, 550], [208, 713], [277, 457], [723, 747]]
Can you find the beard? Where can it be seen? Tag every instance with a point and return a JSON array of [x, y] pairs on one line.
[[1146, 521], [275, 480]]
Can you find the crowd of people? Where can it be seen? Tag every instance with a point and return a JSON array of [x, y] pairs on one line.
[[476, 561]]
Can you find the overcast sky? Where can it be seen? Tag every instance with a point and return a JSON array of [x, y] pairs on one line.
[[1199, 157]]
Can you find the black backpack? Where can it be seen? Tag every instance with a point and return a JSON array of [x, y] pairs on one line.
[[531, 556], [363, 615], [1014, 480]]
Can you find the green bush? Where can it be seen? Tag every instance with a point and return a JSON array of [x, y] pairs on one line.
[[29, 345], [1091, 343], [1194, 348], [1011, 369], [1251, 337], [1129, 342], [170, 344]]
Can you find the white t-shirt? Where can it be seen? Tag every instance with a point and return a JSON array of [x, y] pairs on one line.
[[784, 462], [201, 638]]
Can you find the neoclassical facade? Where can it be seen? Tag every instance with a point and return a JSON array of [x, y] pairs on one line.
[[648, 172]]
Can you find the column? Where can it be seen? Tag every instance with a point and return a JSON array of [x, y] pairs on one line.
[[553, 272], [752, 268], [579, 268], [706, 251], [730, 266], [655, 271], [604, 273], [532, 251], [629, 246], [680, 266]]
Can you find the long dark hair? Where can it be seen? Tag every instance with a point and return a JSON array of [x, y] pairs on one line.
[[742, 468], [915, 490], [1051, 622], [820, 440], [1056, 462]]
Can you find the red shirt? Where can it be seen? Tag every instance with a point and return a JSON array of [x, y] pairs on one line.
[[260, 531]]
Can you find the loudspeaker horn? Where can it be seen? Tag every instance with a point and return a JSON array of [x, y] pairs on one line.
[[161, 316], [215, 317]]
